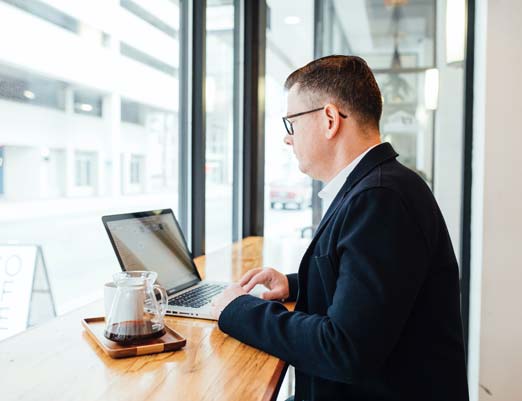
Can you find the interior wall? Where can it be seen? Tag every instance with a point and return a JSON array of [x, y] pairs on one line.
[[495, 355]]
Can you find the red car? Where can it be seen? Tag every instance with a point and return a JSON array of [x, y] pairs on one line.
[[294, 193]]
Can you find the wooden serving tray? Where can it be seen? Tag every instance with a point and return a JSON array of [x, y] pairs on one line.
[[170, 341]]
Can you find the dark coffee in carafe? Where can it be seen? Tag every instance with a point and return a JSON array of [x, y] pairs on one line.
[[132, 332]]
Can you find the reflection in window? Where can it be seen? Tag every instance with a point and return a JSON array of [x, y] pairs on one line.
[[397, 39], [387, 34], [405, 121]]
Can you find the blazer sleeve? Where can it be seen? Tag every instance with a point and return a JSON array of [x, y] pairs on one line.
[[382, 261], [293, 285]]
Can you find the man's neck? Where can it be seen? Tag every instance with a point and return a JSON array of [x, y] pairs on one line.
[[345, 155]]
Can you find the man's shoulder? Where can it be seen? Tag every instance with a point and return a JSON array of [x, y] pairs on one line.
[[391, 184], [396, 180]]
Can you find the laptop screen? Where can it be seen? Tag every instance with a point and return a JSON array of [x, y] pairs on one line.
[[153, 241]]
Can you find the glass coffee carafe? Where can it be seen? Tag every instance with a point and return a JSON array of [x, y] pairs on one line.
[[136, 314]]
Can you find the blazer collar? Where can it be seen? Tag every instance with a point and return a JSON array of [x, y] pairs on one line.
[[371, 160]]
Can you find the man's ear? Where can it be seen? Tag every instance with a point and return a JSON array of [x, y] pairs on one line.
[[331, 112]]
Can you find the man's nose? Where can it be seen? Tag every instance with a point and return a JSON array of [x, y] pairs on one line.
[[288, 139]]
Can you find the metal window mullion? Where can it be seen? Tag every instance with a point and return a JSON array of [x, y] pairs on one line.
[[319, 43], [237, 198], [198, 147], [465, 256], [183, 120], [254, 117]]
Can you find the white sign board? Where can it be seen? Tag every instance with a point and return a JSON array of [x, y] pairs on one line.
[[17, 265]]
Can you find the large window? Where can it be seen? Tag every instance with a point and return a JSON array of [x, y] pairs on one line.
[[219, 123], [288, 192], [88, 126], [405, 44], [96, 117], [397, 39]]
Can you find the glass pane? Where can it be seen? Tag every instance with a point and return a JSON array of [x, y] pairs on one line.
[[386, 33], [405, 44], [88, 127], [397, 39], [449, 118], [288, 192], [406, 122], [219, 124]]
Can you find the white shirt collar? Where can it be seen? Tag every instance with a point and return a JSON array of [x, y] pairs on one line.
[[330, 190]]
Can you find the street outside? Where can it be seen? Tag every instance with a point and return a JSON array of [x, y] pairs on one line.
[[78, 254]]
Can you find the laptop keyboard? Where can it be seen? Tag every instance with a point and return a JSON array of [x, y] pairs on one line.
[[198, 296]]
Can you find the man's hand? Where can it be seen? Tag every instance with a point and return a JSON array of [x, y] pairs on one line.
[[275, 281], [222, 300]]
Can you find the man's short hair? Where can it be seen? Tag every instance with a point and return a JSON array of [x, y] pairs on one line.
[[344, 79]]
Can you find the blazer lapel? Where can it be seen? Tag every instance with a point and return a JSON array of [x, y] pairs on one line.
[[375, 157]]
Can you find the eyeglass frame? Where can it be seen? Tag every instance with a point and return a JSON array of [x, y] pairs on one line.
[[290, 126]]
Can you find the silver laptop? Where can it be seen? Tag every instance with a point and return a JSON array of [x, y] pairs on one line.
[[153, 241]]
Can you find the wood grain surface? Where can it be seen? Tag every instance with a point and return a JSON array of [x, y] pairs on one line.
[[59, 360]]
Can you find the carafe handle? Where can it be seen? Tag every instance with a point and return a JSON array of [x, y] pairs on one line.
[[164, 298]]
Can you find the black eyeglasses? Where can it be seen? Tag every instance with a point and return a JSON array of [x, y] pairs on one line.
[[288, 124]]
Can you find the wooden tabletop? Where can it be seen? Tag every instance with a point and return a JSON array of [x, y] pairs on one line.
[[59, 360]]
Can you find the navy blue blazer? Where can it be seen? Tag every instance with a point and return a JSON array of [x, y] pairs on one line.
[[378, 300]]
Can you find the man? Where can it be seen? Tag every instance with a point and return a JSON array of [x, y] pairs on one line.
[[377, 315]]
